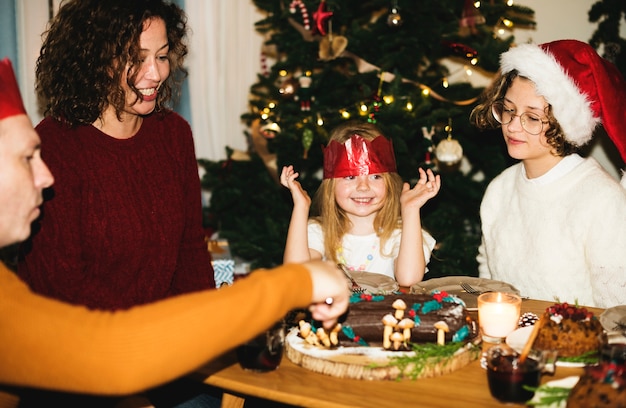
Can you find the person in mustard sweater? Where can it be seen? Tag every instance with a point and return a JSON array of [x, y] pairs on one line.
[[51, 345]]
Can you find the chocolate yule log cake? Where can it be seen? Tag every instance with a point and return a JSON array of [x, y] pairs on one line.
[[395, 321], [389, 337]]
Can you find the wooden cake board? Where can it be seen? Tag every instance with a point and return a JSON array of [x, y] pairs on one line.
[[370, 363]]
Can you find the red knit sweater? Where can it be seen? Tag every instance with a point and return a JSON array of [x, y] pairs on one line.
[[123, 223]]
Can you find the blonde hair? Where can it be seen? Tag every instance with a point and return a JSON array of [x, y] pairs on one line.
[[333, 219]]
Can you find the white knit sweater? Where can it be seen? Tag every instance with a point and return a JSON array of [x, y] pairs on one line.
[[562, 240]]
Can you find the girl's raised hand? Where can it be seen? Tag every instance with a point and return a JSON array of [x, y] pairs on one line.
[[288, 179], [426, 188]]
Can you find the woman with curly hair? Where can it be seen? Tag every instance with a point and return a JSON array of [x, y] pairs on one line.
[[554, 224], [123, 224], [369, 220]]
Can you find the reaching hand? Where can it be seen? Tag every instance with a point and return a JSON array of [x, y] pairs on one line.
[[288, 179], [426, 188], [330, 293]]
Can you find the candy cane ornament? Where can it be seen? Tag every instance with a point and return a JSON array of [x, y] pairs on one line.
[[305, 13], [264, 71]]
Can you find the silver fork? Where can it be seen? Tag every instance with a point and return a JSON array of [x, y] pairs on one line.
[[469, 289], [355, 286], [473, 291]]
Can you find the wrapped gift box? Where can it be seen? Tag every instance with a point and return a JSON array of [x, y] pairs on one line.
[[222, 261]]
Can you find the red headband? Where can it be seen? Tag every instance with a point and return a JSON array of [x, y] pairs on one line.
[[359, 157], [10, 99]]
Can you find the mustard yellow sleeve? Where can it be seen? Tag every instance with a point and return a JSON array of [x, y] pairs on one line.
[[53, 345]]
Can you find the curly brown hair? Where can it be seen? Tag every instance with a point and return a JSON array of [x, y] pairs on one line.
[[86, 49], [333, 219], [483, 118]]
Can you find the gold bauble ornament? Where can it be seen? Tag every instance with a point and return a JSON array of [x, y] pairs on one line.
[[449, 151]]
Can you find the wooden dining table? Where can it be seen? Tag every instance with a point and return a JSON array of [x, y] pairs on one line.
[[294, 385]]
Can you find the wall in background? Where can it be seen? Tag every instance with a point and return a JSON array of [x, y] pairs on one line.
[[8, 45]]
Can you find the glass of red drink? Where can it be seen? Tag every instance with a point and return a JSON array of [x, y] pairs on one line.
[[510, 379], [264, 352]]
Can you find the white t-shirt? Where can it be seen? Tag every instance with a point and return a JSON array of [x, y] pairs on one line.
[[362, 252]]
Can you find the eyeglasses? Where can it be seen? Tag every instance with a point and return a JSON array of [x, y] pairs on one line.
[[531, 122]]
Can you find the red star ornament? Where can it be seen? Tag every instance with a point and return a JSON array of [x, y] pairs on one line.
[[321, 18]]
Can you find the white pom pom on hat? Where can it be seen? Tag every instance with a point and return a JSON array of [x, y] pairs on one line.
[[583, 88]]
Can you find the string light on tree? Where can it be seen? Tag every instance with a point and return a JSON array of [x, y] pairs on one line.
[[363, 109], [394, 19], [286, 84], [320, 120], [388, 99], [503, 28]]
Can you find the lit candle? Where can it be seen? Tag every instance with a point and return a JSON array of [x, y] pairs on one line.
[[498, 314]]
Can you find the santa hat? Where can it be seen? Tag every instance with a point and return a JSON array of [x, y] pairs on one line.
[[10, 99], [583, 88]]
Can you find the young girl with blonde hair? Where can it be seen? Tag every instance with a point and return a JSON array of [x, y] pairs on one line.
[[367, 218]]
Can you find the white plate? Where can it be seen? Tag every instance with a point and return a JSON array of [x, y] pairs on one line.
[[450, 284], [614, 317], [518, 338], [375, 283], [567, 382]]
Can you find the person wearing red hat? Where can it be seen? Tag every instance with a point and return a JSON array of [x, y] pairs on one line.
[[554, 224], [52, 345], [369, 220]]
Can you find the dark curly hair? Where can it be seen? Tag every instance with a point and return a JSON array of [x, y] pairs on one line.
[[482, 117], [86, 49]]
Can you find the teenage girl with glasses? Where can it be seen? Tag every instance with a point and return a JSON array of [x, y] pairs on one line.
[[554, 224]]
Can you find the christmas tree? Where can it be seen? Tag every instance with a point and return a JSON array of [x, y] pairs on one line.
[[609, 14], [388, 62]]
